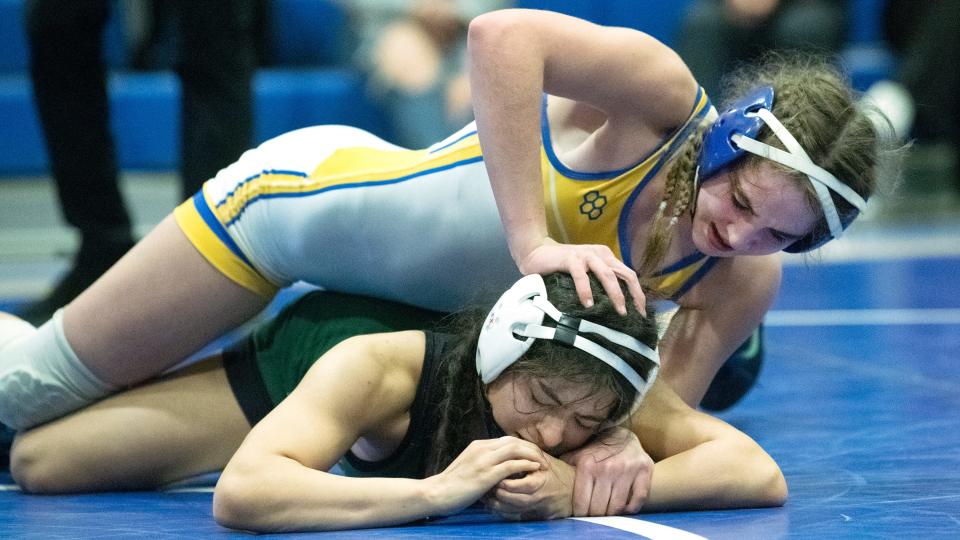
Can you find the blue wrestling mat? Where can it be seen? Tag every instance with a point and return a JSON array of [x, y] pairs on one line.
[[859, 402]]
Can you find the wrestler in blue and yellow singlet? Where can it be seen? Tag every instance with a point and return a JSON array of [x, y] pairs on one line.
[[339, 208]]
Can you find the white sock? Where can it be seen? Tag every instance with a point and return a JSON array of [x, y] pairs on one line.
[[41, 377]]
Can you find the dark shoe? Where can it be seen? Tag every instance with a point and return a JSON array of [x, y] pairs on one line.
[[736, 376], [6, 440], [91, 262]]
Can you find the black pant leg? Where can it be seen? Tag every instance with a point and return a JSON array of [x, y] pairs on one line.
[[218, 61], [927, 69], [69, 84]]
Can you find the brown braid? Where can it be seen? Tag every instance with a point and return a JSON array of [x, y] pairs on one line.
[[678, 196]]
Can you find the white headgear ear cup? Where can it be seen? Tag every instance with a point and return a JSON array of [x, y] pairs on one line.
[[499, 346]]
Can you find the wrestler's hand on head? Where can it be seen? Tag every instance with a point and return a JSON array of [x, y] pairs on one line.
[[580, 259], [481, 465], [542, 494], [613, 474]]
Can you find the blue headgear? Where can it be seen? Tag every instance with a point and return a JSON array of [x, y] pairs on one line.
[[734, 133]]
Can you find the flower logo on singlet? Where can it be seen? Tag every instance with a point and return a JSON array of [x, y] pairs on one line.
[[592, 205]]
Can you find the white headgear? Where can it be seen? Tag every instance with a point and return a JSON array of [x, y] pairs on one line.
[[520, 312]]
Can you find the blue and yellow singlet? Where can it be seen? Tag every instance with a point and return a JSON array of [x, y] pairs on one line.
[[592, 208], [342, 209]]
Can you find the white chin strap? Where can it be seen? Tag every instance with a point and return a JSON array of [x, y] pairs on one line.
[[797, 159], [584, 344]]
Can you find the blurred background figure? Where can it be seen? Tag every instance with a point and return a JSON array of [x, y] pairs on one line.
[[921, 100], [215, 61], [413, 53], [716, 35]]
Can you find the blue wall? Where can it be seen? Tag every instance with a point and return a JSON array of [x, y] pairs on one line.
[[306, 38]]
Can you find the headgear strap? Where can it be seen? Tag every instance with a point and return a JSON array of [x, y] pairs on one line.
[[520, 312], [797, 159]]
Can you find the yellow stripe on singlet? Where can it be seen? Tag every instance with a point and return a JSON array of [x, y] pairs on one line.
[[210, 239], [348, 168]]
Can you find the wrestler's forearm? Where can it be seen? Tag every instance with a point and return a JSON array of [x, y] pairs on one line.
[[282, 495], [717, 474], [506, 78]]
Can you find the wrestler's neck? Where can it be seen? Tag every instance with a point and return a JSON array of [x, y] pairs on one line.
[[640, 224]]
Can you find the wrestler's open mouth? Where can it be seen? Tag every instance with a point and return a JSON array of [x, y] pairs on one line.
[[717, 241]]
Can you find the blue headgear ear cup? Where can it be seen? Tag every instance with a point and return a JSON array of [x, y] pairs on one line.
[[719, 151]]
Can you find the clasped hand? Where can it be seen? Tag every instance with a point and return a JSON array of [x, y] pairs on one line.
[[609, 476]]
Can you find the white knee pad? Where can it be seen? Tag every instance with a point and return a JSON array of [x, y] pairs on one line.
[[13, 329], [41, 377]]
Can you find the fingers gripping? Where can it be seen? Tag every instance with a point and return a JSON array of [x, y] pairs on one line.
[[614, 478], [638, 495], [578, 261], [582, 494], [528, 484], [609, 270], [600, 499], [608, 279]]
